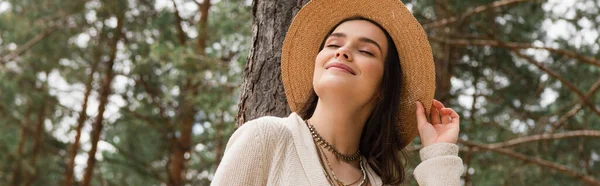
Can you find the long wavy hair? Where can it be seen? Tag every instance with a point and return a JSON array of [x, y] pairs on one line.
[[380, 138]]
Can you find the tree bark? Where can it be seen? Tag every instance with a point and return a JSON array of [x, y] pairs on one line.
[[180, 33], [37, 143], [16, 174], [82, 116], [97, 127], [203, 26], [262, 90], [180, 146]]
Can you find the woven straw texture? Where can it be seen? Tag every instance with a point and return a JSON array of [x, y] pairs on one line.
[[316, 18]]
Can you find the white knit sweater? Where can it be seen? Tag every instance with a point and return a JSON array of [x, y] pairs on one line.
[[281, 151]]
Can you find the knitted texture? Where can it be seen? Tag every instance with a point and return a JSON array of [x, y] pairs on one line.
[[438, 149], [280, 151], [440, 165]]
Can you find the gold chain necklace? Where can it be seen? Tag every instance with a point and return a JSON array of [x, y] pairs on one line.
[[338, 181], [319, 140]]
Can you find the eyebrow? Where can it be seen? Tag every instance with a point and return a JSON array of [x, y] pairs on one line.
[[363, 39]]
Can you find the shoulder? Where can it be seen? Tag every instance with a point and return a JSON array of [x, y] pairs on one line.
[[254, 150], [270, 129], [266, 125]]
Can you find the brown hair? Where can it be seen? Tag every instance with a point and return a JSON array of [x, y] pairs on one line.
[[380, 138]]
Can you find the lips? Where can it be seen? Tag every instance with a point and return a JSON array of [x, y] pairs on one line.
[[340, 66]]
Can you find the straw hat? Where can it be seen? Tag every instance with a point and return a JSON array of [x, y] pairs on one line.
[[318, 17]]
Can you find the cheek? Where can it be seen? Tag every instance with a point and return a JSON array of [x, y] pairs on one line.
[[320, 61], [372, 74], [322, 57], [373, 71]]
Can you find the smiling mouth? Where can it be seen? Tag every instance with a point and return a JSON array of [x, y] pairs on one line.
[[340, 66], [341, 69]]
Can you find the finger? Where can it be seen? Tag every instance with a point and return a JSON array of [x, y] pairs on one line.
[[454, 116], [421, 118], [434, 115], [438, 104], [445, 114], [450, 115]]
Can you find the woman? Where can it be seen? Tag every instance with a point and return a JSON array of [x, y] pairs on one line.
[[355, 74]]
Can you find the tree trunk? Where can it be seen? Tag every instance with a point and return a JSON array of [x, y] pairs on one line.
[[37, 143], [83, 114], [262, 90], [16, 174], [203, 26], [105, 91], [180, 146], [80, 122]]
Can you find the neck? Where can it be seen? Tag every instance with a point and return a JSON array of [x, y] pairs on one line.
[[340, 124]]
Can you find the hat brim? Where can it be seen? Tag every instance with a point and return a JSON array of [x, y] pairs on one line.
[[313, 22]]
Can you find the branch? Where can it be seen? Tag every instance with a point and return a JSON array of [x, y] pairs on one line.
[[561, 168], [180, 32], [154, 98], [583, 98], [539, 137], [556, 125], [495, 43], [526, 139], [145, 168], [151, 122], [470, 12], [570, 85], [39, 37], [576, 108]]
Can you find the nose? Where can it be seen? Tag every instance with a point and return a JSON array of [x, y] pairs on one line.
[[343, 52]]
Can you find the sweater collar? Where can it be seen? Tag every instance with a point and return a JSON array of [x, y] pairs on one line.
[[306, 149]]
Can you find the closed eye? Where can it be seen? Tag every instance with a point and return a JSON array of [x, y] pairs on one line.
[[333, 46], [366, 52]]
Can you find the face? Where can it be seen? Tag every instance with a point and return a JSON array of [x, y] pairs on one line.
[[350, 65]]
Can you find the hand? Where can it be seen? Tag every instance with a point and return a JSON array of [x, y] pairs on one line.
[[444, 130]]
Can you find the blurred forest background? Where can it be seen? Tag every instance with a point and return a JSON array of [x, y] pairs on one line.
[[147, 92]]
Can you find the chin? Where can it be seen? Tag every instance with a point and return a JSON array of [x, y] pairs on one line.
[[336, 82], [334, 86]]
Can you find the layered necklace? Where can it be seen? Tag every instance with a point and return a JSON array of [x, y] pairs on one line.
[[347, 158], [319, 140]]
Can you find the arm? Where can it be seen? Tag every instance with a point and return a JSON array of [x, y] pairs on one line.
[[244, 161], [440, 162], [440, 165]]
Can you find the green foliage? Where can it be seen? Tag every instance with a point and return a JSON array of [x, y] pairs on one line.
[[154, 73], [510, 91], [152, 68]]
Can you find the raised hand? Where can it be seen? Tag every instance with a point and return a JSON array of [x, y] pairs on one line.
[[444, 126]]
